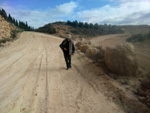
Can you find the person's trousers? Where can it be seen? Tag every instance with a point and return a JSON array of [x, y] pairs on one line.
[[68, 60]]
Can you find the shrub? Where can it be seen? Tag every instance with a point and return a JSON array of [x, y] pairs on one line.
[[47, 29], [13, 36], [75, 31], [101, 53], [14, 33], [4, 40], [78, 44], [92, 53], [83, 48]]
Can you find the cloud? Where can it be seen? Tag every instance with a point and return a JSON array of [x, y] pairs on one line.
[[37, 18], [115, 12], [66, 8], [125, 12]]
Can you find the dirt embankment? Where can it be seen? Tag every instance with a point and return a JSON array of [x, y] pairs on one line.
[[8, 32], [125, 60], [5, 28]]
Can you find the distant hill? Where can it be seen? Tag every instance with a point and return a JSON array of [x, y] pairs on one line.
[[139, 38], [79, 29], [88, 30], [135, 29]]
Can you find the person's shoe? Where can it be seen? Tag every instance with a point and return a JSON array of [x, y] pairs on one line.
[[67, 68], [70, 66]]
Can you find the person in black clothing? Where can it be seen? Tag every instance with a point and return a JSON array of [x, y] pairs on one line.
[[68, 49]]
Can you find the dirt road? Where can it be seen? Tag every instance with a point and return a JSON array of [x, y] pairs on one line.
[[33, 79]]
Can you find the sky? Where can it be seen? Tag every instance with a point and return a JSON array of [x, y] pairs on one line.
[[116, 12]]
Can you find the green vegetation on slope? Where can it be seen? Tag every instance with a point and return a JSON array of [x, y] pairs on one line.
[[139, 37], [98, 29], [135, 29], [47, 29]]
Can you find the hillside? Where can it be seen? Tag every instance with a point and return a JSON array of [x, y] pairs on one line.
[[141, 43], [85, 30], [9, 27], [6, 29], [135, 29], [12, 20], [79, 30]]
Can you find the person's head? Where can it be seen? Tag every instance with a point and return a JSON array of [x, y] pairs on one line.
[[69, 37]]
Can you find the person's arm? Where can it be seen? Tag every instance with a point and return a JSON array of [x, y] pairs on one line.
[[62, 45], [73, 48]]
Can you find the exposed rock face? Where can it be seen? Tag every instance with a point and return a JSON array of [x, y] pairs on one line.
[[5, 28], [121, 59]]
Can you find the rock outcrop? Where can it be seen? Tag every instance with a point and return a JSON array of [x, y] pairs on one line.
[[92, 53], [121, 59]]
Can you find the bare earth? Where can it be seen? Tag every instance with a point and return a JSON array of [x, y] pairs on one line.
[[108, 40], [142, 50], [33, 79]]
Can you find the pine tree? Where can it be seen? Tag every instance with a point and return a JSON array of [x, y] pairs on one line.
[[69, 22], [91, 25], [86, 25], [13, 21], [75, 23], [96, 26], [9, 18], [4, 14], [0, 12], [16, 23], [81, 24]]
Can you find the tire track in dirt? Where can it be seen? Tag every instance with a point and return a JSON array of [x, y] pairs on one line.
[[12, 66], [25, 101], [35, 89], [53, 77], [13, 84], [42, 95], [47, 90], [22, 78]]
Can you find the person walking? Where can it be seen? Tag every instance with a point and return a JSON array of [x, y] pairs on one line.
[[68, 49]]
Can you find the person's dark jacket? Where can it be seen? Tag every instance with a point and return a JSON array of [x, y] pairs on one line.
[[66, 44]]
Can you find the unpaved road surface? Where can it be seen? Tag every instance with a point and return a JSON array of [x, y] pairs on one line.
[[33, 79]]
